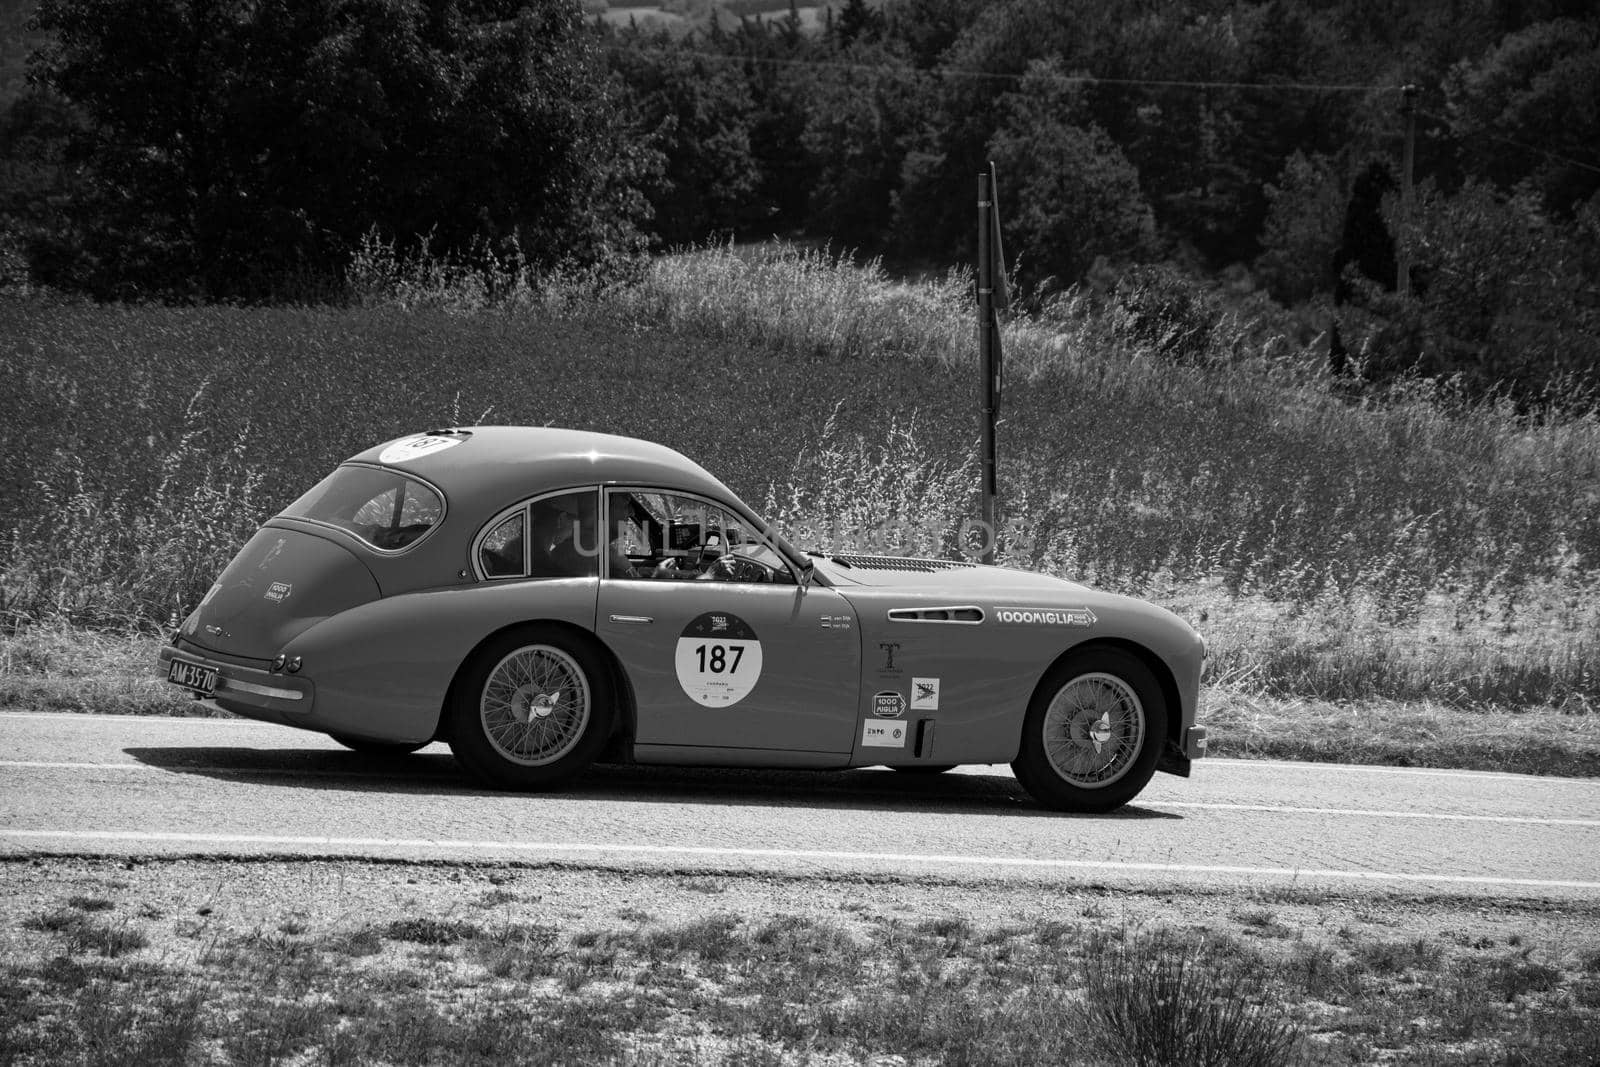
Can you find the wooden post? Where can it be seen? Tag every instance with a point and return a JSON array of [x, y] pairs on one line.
[[986, 356], [1408, 108]]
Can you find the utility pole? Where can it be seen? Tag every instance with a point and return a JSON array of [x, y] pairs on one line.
[[987, 329], [1408, 108]]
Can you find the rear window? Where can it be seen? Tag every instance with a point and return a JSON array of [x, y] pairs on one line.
[[384, 508]]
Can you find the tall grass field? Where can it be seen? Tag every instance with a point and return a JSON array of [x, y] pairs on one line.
[[1433, 559]]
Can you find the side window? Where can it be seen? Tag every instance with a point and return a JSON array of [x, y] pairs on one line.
[[552, 537], [383, 507], [563, 537], [670, 537], [503, 552]]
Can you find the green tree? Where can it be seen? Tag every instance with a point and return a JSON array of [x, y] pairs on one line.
[[925, 29], [1507, 296], [701, 111], [857, 22], [856, 132], [233, 145], [933, 211], [1074, 195], [1304, 224], [773, 57], [1527, 111]]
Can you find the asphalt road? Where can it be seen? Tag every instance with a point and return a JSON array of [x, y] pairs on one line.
[[110, 785]]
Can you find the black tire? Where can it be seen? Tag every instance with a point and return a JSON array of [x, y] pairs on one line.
[[531, 709], [924, 768], [1064, 760], [378, 748]]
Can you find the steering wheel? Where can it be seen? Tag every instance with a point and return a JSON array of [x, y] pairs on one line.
[[732, 568]]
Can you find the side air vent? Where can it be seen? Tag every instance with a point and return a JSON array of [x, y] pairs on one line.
[[965, 614], [902, 563]]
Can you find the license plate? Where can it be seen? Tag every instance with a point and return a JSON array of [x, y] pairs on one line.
[[202, 680]]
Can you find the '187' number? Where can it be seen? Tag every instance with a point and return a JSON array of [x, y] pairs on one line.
[[715, 658]]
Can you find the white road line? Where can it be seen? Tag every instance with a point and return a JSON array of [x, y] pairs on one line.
[[1220, 764], [106, 717], [562, 848], [1372, 813], [74, 765], [207, 768]]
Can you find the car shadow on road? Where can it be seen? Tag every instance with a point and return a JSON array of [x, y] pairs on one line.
[[434, 772]]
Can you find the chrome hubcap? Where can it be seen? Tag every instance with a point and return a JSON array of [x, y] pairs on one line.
[[529, 704], [535, 705], [1093, 730]]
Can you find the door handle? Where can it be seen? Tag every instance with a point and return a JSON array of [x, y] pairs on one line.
[[633, 620]]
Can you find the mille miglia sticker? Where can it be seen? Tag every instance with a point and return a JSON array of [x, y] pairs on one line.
[[1045, 616], [277, 592], [888, 705]]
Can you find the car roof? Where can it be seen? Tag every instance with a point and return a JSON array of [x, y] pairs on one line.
[[492, 465]]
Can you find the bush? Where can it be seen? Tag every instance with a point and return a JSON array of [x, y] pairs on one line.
[[1505, 297], [1152, 1001], [1157, 308]]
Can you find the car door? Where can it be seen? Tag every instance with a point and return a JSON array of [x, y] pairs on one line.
[[722, 664]]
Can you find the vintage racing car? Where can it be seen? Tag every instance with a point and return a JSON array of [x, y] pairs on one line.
[[541, 599]]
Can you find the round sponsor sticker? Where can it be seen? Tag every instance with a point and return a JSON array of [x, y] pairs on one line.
[[415, 447], [718, 659]]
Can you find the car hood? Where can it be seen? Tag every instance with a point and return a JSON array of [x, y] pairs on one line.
[[898, 589], [950, 576]]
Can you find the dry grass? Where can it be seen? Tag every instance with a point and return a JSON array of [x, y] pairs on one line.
[[786, 987], [1418, 549], [56, 667]]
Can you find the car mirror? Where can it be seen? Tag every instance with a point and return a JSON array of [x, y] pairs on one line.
[[807, 569]]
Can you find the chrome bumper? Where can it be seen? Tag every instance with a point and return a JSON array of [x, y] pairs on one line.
[[1194, 742], [248, 691]]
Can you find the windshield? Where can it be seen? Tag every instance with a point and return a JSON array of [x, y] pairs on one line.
[[385, 508]]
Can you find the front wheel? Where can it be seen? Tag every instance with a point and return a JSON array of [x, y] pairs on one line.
[[531, 709], [1093, 732]]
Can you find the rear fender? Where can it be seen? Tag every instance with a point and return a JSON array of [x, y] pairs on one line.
[[384, 670], [619, 750]]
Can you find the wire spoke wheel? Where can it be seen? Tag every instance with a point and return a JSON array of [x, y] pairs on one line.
[[1093, 730], [535, 705]]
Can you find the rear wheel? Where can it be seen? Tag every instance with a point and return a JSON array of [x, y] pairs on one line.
[[378, 748], [1093, 733], [531, 709]]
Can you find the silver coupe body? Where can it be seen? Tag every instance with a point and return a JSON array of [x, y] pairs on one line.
[[542, 599]]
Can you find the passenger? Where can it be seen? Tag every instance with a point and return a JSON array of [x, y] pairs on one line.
[[555, 555]]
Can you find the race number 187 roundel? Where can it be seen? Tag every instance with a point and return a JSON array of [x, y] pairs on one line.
[[718, 660]]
